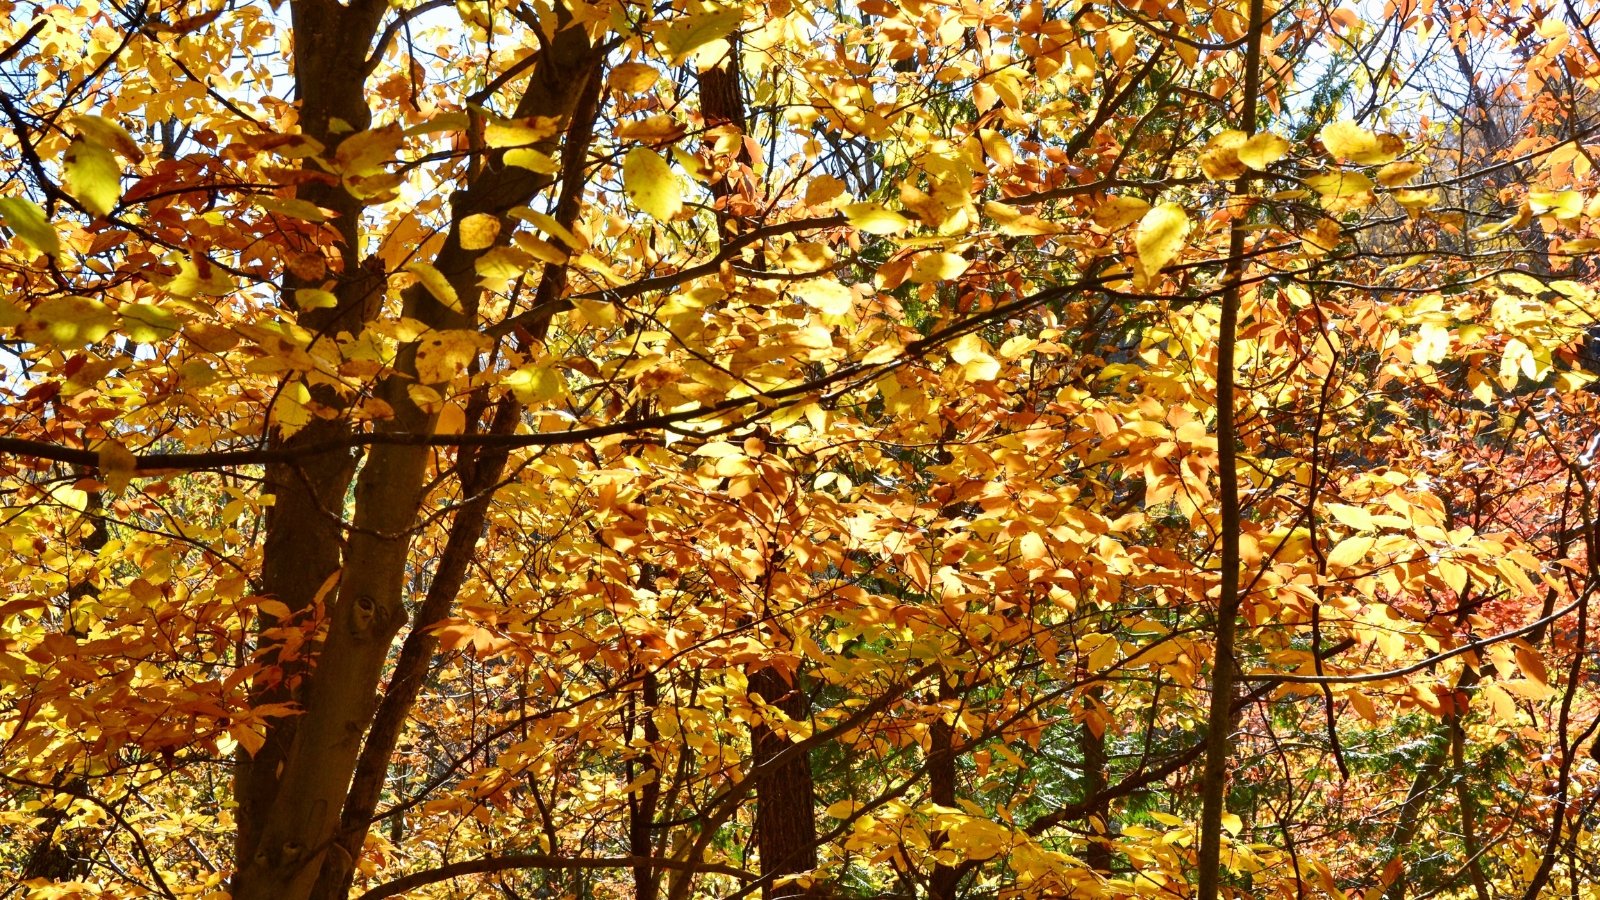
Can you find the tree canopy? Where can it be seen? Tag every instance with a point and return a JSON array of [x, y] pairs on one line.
[[900, 449]]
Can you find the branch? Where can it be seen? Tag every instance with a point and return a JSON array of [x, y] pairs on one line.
[[664, 282], [1469, 646], [542, 861]]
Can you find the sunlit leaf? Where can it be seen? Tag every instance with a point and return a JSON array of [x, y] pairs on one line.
[[93, 176], [1161, 236], [651, 184], [28, 220]]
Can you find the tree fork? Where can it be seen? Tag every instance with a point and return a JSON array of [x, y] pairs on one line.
[[301, 824]]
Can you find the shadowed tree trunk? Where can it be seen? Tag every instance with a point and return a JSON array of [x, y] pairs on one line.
[[292, 793]]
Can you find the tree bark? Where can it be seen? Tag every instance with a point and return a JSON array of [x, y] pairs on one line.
[[1219, 721], [786, 826], [295, 805], [942, 787]]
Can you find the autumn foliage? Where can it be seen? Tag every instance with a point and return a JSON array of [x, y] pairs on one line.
[[1030, 449]]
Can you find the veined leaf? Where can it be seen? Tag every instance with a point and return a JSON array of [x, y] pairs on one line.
[[651, 184], [1160, 239]]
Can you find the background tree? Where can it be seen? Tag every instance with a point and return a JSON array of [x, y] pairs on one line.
[[788, 449]]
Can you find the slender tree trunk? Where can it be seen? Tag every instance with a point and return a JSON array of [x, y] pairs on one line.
[[643, 804], [302, 549], [56, 858], [1466, 806], [1405, 829], [1219, 734], [942, 787], [1092, 743], [786, 830], [481, 473]]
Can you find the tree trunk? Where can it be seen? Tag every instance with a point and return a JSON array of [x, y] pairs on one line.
[[786, 827], [942, 787], [293, 792]]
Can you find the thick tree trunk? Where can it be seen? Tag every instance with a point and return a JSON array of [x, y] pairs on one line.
[[293, 792], [786, 826], [303, 534]]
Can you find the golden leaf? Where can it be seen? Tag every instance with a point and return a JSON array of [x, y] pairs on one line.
[[1160, 238], [873, 218], [93, 176], [436, 284], [1350, 142], [651, 184], [28, 220], [1263, 150], [478, 231]]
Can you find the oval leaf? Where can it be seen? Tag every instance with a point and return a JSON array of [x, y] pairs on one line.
[[651, 184]]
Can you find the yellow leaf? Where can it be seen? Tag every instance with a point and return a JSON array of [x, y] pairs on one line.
[[1561, 204], [117, 465], [829, 297], [539, 248], [807, 256], [1120, 212], [1348, 141], [873, 218], [842, 809], [199, 277], [550, 226], [1220, 157], [442, 355], [27, 219], [1352, 516], [970, 353], [366, 152], [823, 189], [315, 298], [519, 132], [688, 34], [1342, 191], [536, 384], [68, 322], [93, 176], [651, 184], [1160, 238], [1032, 549], [1263, 150], [532, 160], [478, 231], [1017, 224], [1288, 545], [146, 324], [501, 266], [1415, 203], [1350, 551], [452, 419], [941, 266], [632, 78], [1398, 172], [108, 134], [290, 412], [292, 207], [436, 284]]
